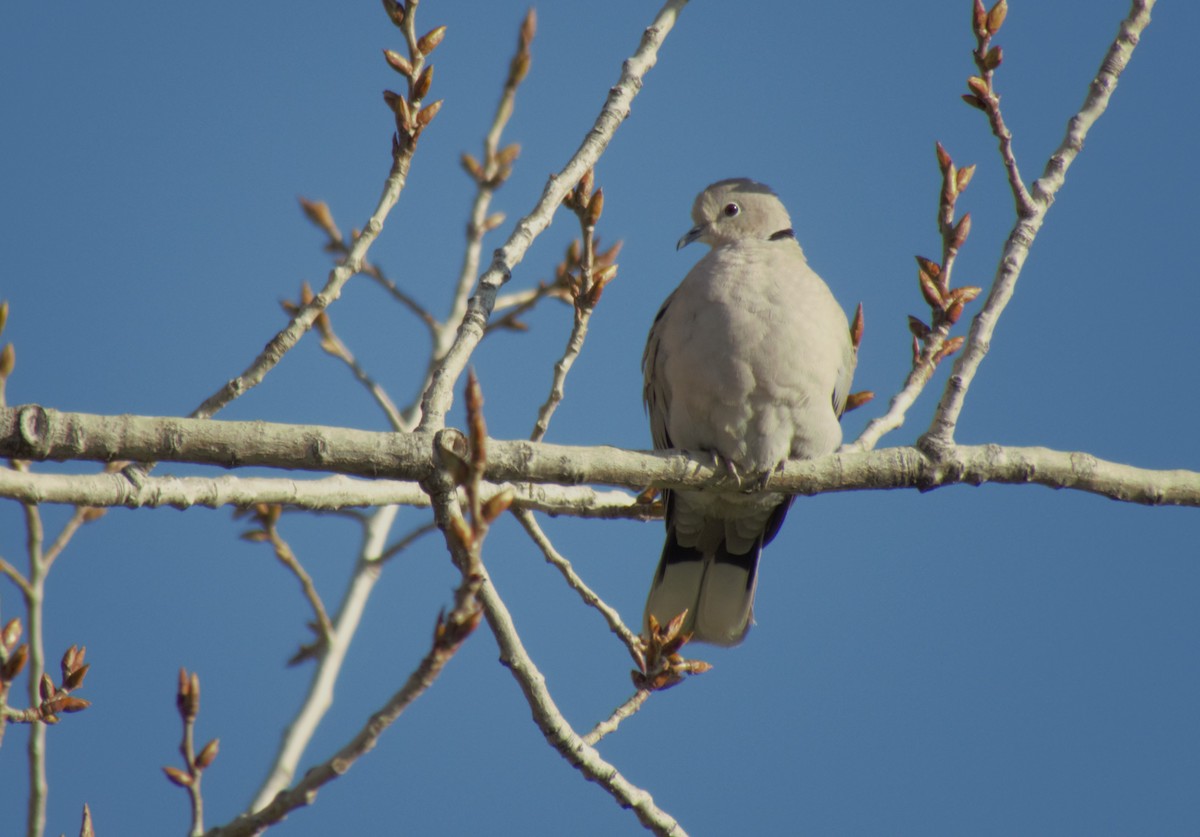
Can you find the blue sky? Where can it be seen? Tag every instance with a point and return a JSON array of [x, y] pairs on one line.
[[990, 660]]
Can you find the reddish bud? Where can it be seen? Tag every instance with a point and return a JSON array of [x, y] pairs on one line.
[[427, 113], [964, 177], [918, 328], [11, 633], [857, 399], [75, 679], [428, 42], [948, 348], [962, 229], [178, 777], [943, 157], [208, 754], [497, 505], [995, 17], [930, 290], [15, 663], [584, 189], [595, 208], [67, 704], [528, 29], [395, 11], [472, 167], [398, 63], [46, 687], [420, 88], [508, 154], [966, 294]]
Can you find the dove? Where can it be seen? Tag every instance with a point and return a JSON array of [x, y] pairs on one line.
[[749, 360]]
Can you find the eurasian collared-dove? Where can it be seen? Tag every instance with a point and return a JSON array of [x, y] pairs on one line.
[[749, 360]]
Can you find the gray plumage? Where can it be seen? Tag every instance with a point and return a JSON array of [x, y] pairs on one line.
[[749, 360]]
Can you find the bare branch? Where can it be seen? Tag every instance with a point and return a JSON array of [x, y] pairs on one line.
[[451, 631], [557, 730], [1016, 249], [440, 393], [329, 666], [589, 597], [267, 516], [625, 710], [326, 494], [36, 433], [594, 271]]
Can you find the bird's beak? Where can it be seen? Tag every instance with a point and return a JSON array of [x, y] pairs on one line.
[[691, 235]]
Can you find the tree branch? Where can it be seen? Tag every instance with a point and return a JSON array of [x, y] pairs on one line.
[[32, 432], [1016, 249], [557, 730], [440, 393]]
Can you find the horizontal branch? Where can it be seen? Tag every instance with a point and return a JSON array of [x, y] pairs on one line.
[[325, 494], [35, 433]]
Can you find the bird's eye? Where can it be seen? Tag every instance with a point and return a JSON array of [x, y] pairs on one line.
[[731, 209]]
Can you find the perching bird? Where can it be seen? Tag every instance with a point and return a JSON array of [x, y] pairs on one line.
[[750, 360]]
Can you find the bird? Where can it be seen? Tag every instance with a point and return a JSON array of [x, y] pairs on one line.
[[750, 361]]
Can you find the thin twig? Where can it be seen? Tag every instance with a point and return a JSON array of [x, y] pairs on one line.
[[407, 541], [333, 345], [625, 710], [334, 494], [1016, 249], [440, 393], [15, 576], [304, 792], [589, 597], [35, 598], [319, 698], [594, 272], [288, 558], [555, 727]]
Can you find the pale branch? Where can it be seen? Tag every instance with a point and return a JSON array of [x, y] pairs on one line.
[[562, 367], [35, 600], [555, 727], [625, 710], [335, 347], [403, 149], [488, 174], [914, 384], [77, 520], [323, 494], [440, 393], [14, 575], [594, 272], [397, 293], [405, 542], [940, 434], [329, 663], [319, 213], [33, 432], [589, 596], [273, 806], [268, 517]]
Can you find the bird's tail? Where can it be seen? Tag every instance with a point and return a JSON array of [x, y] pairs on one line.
[[716, 588]]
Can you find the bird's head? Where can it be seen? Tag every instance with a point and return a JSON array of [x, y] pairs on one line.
[[737, 210]]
